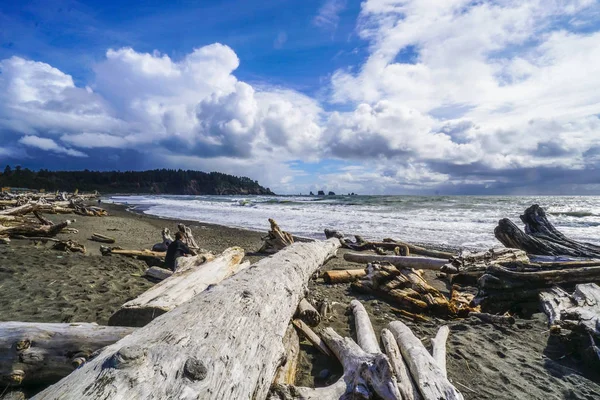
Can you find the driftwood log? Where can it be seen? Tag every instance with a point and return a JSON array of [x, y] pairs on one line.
[[579, 314], [343, 275], [35, 230], [224, 343], [428, 372], [40, 353], [276, 239], [467, 262], [166, 241], [97, 237], [367, 371], [399, 261], [541, 237], [188, 238], [311, 336], [181, 286], [308, 313]]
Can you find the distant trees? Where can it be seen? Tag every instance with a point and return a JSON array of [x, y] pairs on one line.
[[165, 181]]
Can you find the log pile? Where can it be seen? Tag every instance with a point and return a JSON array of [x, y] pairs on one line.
[[406, 370]]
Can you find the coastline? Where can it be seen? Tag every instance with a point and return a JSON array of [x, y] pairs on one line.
[[38, 284]]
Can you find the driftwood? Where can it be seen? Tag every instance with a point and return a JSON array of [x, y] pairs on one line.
[[501, 278], [430, 377], [404, 287], [224, 343], [404, 248], [35, 230], [276, 239], [188, 238], [311, 336], [286, 374], [367, 371], [158, 273], [467, 262], [578, 313], [399, 261], [343, 275], [494, 319], [180, 287], [166, 241], [406, 384], [151, 257], [69, 245], [541, 237], [102, 238], [40, 353], [307, 313]]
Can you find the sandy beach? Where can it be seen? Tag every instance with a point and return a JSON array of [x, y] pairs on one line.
[[484, 361]]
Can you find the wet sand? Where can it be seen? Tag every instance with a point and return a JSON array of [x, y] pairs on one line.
[[38, 284]]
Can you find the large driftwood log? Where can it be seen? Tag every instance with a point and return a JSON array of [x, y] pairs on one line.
[[39, 353], [180, 287], [224, 343], [276, 239], [166, 241], [367, 371], [501, 278], [469, 262], [427, 373], [541, 237], [35, 230], [406, 384], [188, 238], [399, 261]]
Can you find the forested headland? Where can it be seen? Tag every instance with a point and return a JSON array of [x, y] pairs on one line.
[[158, 181]]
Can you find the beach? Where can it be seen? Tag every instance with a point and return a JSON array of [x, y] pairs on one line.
[[484, 361]]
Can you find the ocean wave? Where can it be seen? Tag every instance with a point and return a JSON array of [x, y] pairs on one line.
[[576, 214]]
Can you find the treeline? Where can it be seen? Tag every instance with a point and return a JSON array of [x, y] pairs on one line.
[[158, 181]]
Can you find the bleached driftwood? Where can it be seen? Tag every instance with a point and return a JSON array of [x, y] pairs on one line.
[[367, 371], [40, 353], [166, 241], [398, 261], [438, 350], [428, 375], [311, 336], [188, 238], [286, 374], [35, 230], [158, 273], [276, 239], [97, 237], [181, 286], [307, 313], [554, 301], [406, 384], [469, 262], [224, 343], [494, 319]]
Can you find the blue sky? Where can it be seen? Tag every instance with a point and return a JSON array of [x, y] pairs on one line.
[[378, 96]]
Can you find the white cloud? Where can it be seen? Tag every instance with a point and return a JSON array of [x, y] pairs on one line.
[[49, 145], [452, 92], [328, 16]]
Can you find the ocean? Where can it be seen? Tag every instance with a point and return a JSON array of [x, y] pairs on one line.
[[450, 221]]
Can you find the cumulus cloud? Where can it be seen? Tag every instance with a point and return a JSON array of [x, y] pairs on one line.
[[49, 145], [453, 94]]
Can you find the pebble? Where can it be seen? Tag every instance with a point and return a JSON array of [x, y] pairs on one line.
[[324, 374]]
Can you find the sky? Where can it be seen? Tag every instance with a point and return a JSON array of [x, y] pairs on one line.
[[372, 97]]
